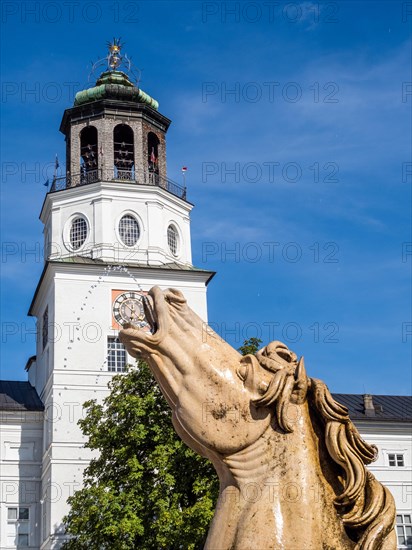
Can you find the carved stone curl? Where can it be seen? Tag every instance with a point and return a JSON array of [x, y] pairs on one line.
[[291, 464]]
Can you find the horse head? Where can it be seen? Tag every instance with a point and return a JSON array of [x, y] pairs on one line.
[[219, 399]]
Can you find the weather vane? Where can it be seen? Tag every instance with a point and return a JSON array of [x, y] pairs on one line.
[[115, 61]]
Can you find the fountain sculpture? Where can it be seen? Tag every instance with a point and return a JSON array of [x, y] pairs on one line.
[[291, 463]]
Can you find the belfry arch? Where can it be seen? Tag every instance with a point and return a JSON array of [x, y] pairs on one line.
[[153, 152], [89, 154], [123, 152]]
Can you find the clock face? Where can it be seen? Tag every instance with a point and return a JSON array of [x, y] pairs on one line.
[[128, 308]]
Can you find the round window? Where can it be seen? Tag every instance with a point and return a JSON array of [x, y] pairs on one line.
[[129, 230], [78, 233], [172, 239]]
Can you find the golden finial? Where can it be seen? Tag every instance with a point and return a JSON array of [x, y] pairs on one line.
[[114, 59]]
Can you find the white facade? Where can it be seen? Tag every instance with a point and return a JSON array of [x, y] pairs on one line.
[[102, 205], [394, 466], [21, 450], [72, 367], [78, 292]]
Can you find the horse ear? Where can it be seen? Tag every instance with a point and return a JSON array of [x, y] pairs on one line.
[[174, 295], [301, 385]]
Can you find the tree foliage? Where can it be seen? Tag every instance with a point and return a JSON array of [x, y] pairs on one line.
[[250, 346], [145, 488]]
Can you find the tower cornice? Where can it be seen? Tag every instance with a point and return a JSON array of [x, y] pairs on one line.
[[88, 266], [112, 108]]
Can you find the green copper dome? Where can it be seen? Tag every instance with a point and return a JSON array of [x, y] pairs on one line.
[[115, 85], [114, 77]]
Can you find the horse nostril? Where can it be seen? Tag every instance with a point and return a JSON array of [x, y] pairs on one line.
[[285, 354]]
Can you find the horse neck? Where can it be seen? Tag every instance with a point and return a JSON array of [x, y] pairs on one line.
[[278, 455], [274, 481]]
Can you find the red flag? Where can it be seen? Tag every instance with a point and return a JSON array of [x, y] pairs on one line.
[[153, 156], [184, 169]]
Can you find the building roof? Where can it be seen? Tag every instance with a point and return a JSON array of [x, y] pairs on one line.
[[115, 85], [388, 408], [70, 259], [19, 396]]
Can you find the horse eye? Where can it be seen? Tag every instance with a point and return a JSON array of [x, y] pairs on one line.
[[242, 372]]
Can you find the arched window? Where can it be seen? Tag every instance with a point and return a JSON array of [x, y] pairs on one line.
[[89, 157], [129, 230], [78, 232], [153, 153], [173, 239], [123, 151]]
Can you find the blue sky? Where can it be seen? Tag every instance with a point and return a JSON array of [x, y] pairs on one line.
[[294, 120]]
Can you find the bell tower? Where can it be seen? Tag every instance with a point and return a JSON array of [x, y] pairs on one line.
[[114, 226], [124, 206], [132, 132]]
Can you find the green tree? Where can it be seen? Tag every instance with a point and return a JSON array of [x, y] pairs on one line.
[[145, 489], [250, 346]]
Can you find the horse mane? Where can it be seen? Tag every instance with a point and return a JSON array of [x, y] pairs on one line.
[[366, 507]]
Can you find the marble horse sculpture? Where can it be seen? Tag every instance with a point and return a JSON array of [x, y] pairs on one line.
[[290, 462]]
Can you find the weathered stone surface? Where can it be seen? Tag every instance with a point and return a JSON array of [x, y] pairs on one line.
[[290, 462]]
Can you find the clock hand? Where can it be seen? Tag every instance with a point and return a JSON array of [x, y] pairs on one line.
[[126, 310]]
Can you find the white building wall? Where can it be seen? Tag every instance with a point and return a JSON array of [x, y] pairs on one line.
[[80, 317], [41, 368], [153, 207], [392, 438], [21, 442]]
